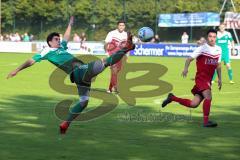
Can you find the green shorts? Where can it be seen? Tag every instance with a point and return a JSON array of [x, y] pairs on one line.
[[225, 57]]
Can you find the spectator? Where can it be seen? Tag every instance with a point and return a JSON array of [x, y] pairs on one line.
[[6, 37], [12, 37], [17, 37], [83, 37], [153, 40], [157, 39], [26, 37], [31, 37], [1, 37], [185, 38], [201, 41], [76, 38], [135, 39]]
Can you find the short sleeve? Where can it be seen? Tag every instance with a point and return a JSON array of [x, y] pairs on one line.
[[108, 38], [197, 52], [37, 57], [64, 44], [40, 56]]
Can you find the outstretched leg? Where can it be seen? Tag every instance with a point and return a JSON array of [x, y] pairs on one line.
[[77, 108], [116, 57], [96, 67], [185, 102]]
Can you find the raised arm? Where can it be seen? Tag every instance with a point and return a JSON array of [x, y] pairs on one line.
[[67, 33], [26, 64]]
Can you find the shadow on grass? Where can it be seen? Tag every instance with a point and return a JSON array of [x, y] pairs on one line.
[[29, 130]]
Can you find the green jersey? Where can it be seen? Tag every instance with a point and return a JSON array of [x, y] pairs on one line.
[[223, 40], [58, 56]]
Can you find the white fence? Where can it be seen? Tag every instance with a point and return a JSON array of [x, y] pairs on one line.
[[95, 48]]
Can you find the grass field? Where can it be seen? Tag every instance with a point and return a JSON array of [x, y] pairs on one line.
[[29, 127]]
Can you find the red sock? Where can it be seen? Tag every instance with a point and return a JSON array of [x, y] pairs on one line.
[[185, 102], [111, 82], [206, 110], [114, 80]]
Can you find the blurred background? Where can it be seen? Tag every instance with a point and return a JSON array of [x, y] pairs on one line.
[[97, 17]]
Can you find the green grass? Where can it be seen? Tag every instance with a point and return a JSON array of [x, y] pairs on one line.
[[29, 127]]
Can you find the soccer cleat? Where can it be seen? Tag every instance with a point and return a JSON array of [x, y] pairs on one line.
[[129, 44], [63, 127], [210, 124], [231, 82], [167, 100], [108, 91]]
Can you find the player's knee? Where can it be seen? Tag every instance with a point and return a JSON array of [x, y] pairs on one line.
[[194, 104], [208, 98], [84, 101], [228, 66]]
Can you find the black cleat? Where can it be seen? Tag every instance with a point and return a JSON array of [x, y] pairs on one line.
[[167, 100], [210, 124]]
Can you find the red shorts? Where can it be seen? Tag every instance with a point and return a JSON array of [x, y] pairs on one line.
[[200, 87]]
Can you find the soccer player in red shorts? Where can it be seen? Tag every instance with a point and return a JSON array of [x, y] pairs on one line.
[[208, 58], [114, 41]]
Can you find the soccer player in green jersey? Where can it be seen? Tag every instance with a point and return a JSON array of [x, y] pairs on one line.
[[223, 39], [80, 73]]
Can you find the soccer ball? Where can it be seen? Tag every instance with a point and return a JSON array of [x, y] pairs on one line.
[[145, 34]]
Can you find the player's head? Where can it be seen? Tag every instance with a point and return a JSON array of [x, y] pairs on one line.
[[121, 25], [53, 40], [211, 37], [221, 27]]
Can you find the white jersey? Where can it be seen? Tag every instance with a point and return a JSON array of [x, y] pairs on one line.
[[117, 36], [208, 51]]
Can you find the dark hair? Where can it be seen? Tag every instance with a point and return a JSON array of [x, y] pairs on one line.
[[50, 37], [121, 21], [211, 31]]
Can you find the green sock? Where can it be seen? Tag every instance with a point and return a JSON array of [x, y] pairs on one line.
[[230, 74], [114, 58], [75, 111], [214, 75]]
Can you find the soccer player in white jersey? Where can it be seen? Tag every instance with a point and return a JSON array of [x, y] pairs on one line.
[[208, 58], [113, 42]]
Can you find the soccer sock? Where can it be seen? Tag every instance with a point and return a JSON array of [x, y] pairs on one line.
[[185, 102], [206, 110], [114, 58], [75, 111], [214, 76], [230, 74], [114, 82], [111, 83]]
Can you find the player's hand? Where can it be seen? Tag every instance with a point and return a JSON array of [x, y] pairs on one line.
[[12, 74], [219, 84], [184, 73], [71, 21]]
